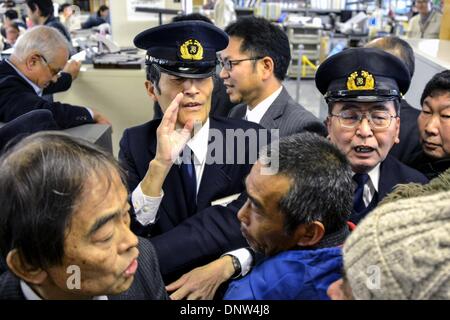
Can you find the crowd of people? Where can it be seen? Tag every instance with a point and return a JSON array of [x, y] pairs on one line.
[[266, 202]]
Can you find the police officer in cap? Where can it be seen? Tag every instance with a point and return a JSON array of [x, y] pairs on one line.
[[172, 200], [363, 88]]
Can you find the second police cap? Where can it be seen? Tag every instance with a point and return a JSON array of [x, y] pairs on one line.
[[362, 75], [185, 49]]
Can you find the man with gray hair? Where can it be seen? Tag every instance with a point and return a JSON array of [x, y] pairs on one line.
[[31, 71]]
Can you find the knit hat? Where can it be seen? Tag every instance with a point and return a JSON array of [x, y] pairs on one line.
[[402, 250]]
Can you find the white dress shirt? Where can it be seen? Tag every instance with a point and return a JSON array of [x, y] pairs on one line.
[[29, 293], [145, 207], [253, 115], [256, 114], [371, 187]]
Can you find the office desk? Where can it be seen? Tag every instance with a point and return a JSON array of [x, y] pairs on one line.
[[118, 94], [431, 56]]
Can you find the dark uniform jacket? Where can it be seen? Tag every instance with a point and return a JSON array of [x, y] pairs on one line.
[[392, 172], [182, 239]]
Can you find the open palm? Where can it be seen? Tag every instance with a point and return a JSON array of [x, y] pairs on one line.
[[171, 140]]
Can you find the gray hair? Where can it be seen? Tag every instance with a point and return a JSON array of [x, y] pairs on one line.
[[41, 39]]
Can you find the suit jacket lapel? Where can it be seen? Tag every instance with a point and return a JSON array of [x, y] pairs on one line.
[[214, 175], [275, 111], [241, 110]]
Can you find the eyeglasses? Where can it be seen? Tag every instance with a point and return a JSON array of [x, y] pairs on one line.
[[228, 64], [52, 71], [377, 119]]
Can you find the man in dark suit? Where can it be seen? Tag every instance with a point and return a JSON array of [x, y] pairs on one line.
[[363, 88], [409, 145], [253, 67], [32, 70], [64, 228], [174, 203]]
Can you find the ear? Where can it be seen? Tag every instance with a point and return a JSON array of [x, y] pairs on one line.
[[31, 61], [268, 67], [310, 234], [23, 270], [397, 132], [151, 90], [327, 123]]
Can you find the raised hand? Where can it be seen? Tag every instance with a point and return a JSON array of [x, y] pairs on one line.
[[170, 139], [170, 143]]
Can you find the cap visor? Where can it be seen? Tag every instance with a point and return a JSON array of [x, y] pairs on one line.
[[202, 75]]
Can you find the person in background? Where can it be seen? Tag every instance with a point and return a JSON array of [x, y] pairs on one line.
[[33, 70], [434, 127], [11, 16], [12, 34], [101, 17], [41, 13], [426, 24], [401, 251], [66, 16], [408, 147], [253, 69], [65, 226]]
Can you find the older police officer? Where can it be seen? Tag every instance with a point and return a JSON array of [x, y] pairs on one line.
[[363, 87]]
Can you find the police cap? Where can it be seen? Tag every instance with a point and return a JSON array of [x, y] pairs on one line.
[[185, 49], [362, 75]]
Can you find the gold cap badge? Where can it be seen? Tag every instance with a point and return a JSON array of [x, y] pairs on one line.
[[191, 50], [360, 80]]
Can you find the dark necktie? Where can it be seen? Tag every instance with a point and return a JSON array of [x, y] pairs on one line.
[[189, 180], [358, 202]]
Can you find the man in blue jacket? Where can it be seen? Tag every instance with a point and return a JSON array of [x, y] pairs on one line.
[[297, 218]]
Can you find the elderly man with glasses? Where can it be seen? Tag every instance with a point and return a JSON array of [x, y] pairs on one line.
[[32, 71], [363, 87]]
